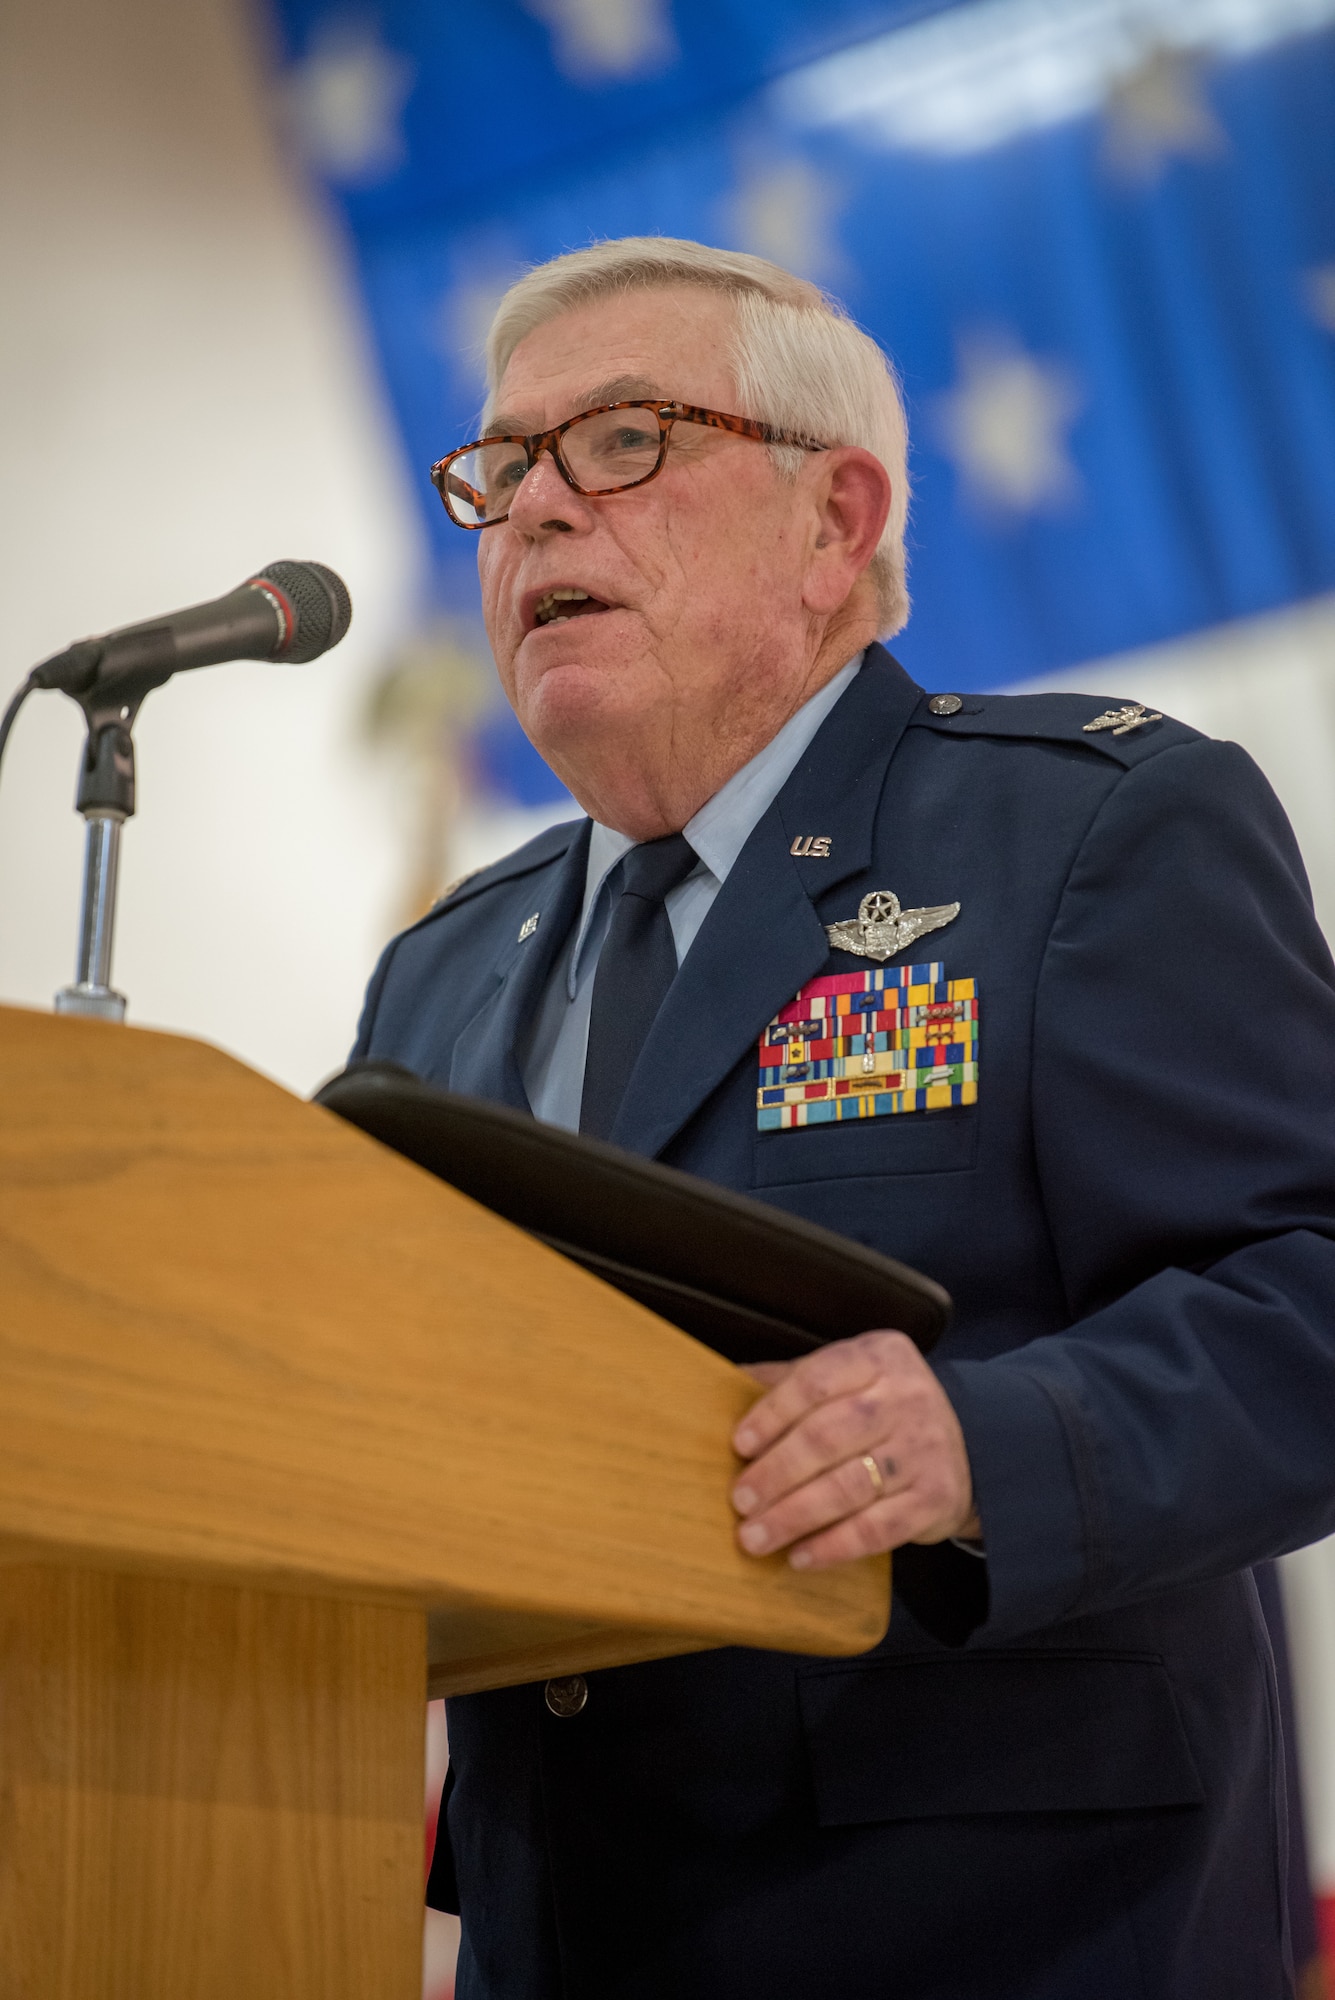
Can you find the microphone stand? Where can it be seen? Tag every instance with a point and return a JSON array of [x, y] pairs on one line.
[[290, 611], [106, 798]]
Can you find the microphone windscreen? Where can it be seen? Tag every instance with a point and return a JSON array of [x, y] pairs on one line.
[[319, 597]]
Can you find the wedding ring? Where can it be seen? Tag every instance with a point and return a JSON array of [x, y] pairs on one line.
[[874, 1474]]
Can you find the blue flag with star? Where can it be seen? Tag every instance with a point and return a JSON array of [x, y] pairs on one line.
[[1098, 241]]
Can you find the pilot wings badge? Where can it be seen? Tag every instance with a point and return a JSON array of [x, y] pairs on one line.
[[1121, 721], [881, 928]]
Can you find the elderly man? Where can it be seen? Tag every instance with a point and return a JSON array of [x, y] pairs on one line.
[[1058, 1776]]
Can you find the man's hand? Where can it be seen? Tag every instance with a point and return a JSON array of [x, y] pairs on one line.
[[809, 1486]]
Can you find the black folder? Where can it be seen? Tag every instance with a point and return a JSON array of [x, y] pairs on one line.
[[750, 1281]]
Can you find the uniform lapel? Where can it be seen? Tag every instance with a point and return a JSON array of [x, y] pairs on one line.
[[763, 939], [486, 1055]]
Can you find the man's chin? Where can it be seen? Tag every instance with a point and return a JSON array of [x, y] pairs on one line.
[[578, 687]]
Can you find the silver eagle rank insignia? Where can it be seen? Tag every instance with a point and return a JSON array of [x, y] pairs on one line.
[[881, 928]]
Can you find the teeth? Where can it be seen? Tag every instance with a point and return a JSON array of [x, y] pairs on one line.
[[546, 613]]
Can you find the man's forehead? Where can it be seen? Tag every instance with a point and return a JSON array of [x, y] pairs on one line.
[[669, 341]]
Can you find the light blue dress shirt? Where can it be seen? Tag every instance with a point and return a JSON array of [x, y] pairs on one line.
[[553, 1068]]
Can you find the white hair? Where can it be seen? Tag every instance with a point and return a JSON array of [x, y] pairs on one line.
[[801, 363]]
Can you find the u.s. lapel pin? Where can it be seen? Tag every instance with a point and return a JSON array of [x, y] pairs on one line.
[[881, 928]]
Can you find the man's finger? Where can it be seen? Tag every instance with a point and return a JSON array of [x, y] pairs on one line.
[[886, 1525], [832, 1371], [848, 1489], [768, 1372], [872, 1420]]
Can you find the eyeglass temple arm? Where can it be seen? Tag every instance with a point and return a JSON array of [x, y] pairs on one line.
[[461, 490]]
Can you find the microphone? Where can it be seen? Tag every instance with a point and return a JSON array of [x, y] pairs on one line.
[[290, 611]]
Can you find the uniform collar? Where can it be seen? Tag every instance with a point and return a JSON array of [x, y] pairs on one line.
[[724, 824]]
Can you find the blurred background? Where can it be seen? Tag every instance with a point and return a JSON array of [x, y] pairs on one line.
[[250, 251]]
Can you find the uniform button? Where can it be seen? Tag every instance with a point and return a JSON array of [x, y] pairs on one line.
[[945, 704], [566, 1696]]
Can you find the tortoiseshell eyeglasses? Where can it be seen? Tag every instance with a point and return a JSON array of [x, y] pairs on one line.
[[605, 450]]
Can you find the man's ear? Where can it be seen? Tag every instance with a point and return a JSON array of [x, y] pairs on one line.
[[850, 495]]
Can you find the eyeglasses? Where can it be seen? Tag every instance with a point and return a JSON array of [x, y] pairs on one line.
[[606, 450]]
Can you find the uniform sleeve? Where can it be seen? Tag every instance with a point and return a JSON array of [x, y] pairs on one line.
[[366, 1024], [1183, 1426]]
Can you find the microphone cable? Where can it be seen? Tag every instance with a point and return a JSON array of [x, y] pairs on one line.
[[10, 715]]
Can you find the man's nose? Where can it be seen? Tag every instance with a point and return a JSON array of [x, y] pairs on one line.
[[545, 503]]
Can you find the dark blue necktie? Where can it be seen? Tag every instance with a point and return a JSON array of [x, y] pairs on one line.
[[637, 964]]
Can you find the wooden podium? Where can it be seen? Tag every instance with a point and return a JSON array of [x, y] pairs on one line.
[[287, 1429]]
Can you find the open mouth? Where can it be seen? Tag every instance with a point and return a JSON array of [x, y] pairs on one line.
[[567, 602]]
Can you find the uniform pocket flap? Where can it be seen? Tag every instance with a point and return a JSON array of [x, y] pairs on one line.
[[1008, 1733], [928, 1142]]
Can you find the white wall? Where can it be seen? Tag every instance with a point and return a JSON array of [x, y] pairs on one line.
[[186, 397], [1309, 1605]]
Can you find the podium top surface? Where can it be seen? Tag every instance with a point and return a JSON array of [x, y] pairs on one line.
[[243, 1340]]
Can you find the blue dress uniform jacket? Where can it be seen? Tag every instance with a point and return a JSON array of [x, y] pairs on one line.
[[1059, 1777]]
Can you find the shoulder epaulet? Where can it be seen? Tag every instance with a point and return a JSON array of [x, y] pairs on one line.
[[453, 888], [1127, 731], [547, 846]]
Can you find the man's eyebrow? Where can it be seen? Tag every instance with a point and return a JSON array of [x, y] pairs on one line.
[[620, 389]]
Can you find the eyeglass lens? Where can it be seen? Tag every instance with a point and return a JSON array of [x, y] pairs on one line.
[[603, 452]]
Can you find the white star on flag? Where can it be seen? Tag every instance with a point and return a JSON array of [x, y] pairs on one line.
[[345, 99], [1319, 290], [1005, 425], [489, 263], [1158, 111], [594, 39], [785, 210]]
